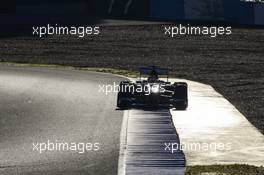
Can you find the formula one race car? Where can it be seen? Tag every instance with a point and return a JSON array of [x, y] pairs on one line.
[[153, 92]]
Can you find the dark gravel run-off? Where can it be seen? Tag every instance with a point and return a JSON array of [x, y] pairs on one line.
[[232, 64]]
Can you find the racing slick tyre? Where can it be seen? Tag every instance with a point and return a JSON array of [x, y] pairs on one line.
[[180, 97], [124, 96]]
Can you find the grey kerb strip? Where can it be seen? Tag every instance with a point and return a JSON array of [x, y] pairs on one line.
[[145, 153]]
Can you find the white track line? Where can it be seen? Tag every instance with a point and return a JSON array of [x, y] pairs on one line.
[[123, 144]]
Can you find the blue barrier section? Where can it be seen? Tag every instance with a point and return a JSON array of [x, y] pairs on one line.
[[259, 14], [169, 9], [246, 13], [231, 10], [79, 11]]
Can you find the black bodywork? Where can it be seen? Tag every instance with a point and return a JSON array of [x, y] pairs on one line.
[[153, 93]]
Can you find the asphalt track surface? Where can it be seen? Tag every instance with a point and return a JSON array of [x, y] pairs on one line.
[[41, 104]]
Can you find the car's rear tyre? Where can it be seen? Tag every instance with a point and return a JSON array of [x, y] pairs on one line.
[[180, 97], [181, 106], [123, 102], [124, 95]]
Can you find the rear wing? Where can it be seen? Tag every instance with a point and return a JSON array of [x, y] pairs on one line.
[[149, 70]]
